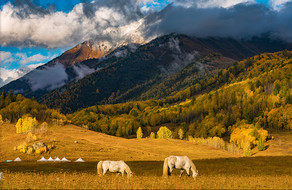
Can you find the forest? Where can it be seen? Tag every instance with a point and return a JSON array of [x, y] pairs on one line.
[[255, 91]]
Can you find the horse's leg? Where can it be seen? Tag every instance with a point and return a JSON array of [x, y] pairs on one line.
[[188, 171], [104, 171], [181, 172], [170, 170], [123, 173]]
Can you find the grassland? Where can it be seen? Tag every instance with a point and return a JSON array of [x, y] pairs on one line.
[[218, 169]]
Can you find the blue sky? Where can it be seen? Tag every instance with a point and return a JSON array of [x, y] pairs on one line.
[[38, 35]]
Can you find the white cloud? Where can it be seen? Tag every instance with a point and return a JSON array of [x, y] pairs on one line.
[[59, 29], [277, 4], [4, 55], [47, 77], [8, 75], [33, 59]]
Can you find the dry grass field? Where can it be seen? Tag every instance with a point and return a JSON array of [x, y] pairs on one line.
[[218, 169]]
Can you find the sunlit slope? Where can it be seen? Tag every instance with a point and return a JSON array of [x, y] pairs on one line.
[[93, 146]]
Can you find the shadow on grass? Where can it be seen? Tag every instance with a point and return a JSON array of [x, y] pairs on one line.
[[249, 166]]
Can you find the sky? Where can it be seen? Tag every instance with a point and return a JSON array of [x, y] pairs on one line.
[[33, 32]]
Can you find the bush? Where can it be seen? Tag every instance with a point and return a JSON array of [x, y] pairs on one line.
[[152, 135], [261, 144], [164, 133], [1, 120]]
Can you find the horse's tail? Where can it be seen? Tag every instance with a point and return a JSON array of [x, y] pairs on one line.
[[165, 167], [193, 168], [99, 167]]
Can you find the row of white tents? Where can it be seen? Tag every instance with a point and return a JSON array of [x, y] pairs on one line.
[[57, 159]]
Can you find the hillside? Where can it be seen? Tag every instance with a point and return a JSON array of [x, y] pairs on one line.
[[171, 60], [94, 146], [256, 91]]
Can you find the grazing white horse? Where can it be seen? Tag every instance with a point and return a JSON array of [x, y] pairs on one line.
[[179, 162], [113, 166]]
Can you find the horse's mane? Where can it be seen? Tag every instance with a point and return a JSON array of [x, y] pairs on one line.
[[193, 167]]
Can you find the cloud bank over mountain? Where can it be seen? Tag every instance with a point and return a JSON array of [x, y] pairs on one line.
[[26, 24]]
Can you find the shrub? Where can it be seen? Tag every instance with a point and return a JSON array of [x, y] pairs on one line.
[[181, 133], [1, 120], [30, 137], [152, 135], [164, 133], [139, 133], [261, 144]]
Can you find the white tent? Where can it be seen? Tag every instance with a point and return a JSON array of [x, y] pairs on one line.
[[17, 159], [79, 160], [65, 160], [42, 159], [50, 159], [57, 159]]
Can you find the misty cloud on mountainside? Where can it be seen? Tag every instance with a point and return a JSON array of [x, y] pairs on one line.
[[82, 71], [47, 77], [117, 20]]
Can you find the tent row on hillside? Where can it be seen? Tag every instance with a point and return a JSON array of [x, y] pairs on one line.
[[57, 159]]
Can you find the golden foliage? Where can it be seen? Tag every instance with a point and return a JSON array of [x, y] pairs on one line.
[[139, 133]]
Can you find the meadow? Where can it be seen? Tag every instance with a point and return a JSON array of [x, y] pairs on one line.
[[218, 169], [222, 173]]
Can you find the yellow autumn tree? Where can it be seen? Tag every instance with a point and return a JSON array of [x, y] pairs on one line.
[[26, 124], [164, 133], [246, 136], [139, 133]]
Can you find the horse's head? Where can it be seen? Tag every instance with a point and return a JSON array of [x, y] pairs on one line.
[[131, 174], [195, 174]]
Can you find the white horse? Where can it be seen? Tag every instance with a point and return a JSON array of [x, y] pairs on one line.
[[113, 166], [179, 162]]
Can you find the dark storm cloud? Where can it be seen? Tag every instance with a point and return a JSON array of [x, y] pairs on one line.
[[240, 21]]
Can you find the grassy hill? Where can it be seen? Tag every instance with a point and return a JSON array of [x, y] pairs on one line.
[[94, 146]]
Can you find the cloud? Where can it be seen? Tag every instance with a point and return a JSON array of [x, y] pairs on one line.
[[32, 59], [4, 55], [30, 26], [8, 75], [47, 77], [239, 21], [82, 71], [116, 21], [278, 4]]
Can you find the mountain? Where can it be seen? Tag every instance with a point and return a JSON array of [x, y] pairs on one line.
[[67, 67], [171, 59]]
